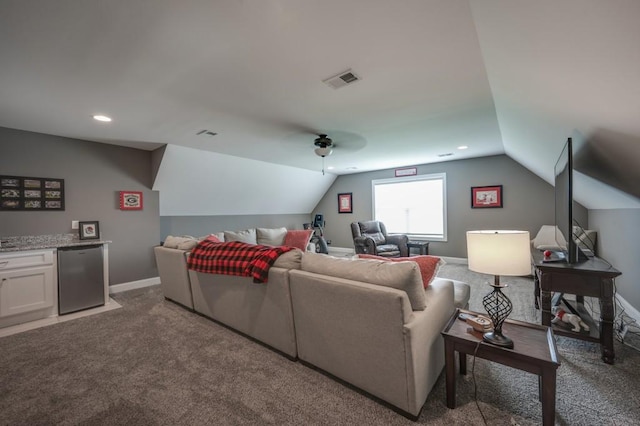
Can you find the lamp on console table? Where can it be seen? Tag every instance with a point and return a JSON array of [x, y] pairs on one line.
[[498, 253]]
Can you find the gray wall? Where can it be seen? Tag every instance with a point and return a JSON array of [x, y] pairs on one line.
[[93, 175], [528, 201], [203, 225], [618, 237]]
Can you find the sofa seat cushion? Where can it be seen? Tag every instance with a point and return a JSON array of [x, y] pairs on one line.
[[403, 276], [388, 249]]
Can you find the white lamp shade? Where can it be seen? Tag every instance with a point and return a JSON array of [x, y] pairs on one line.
[[501, 252]]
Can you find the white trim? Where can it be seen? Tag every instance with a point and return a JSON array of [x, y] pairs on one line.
[[132, 285], [426, 177], [628, 309], [455, 260], [341, 251]]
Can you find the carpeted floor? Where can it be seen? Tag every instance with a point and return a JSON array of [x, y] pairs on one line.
[[155, 363]]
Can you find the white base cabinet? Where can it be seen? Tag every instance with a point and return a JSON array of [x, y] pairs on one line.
[[28, 286]]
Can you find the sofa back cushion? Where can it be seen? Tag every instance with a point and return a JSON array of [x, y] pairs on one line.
[[289, 260], [271, 236], [182, 243], [428, 265], [247, 236], [403, 276]]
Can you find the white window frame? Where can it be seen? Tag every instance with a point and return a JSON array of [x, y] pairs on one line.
[[433, 176]]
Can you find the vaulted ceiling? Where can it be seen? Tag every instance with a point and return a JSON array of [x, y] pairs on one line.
[[496, 76]]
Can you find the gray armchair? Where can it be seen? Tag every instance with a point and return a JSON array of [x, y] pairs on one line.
[[371, 238]]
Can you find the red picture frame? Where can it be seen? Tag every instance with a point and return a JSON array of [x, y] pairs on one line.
[[483, 197], [345, 202], [131, 200]]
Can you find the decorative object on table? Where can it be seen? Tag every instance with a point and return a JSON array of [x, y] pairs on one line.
[[89, 230], [573, 319], [345, 203], [498, 253], [408, 171], [483, 197], [130, 200], [29, 193]]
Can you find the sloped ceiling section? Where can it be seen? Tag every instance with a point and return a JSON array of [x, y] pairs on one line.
[[558, 69], [193, 182]]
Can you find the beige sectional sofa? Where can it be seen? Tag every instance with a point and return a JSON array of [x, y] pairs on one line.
[[368, 322]]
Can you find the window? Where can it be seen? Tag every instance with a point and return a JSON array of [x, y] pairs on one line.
[[414, 205]]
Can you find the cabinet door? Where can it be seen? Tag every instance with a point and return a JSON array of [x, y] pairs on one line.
[[26, 290]]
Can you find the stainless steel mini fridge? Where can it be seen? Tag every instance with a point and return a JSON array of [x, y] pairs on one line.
[[80, 278]]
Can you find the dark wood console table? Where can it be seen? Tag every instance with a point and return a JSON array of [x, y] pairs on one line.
[[592, 278], [422, 246]]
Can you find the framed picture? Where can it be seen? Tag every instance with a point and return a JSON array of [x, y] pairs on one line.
[[486, 197], [345, 203], [89, 230], [130, 200], [409, 171], [31, 193]]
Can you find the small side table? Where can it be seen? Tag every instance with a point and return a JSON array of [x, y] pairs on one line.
[[423, 246], [534, 352]]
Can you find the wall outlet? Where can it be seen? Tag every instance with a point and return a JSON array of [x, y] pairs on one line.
[[74, 224]]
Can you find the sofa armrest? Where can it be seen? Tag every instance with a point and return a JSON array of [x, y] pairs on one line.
[[364, 245], [174, 276], [354, 331], [424, 345], [401, 241]]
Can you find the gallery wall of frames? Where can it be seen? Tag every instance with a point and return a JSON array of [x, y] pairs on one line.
[[31, 193]]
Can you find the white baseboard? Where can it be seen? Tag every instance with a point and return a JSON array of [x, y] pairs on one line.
[[132, 285], [455, 260], [341, 251], [628, 309]]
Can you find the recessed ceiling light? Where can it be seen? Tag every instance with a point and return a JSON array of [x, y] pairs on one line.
[[102, 118], [463, 147], [330, 168]]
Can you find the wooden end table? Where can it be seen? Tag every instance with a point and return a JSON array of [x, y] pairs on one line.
[[422, 246], [534, 352]]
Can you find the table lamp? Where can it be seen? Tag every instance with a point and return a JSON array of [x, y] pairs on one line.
[[498, 253]]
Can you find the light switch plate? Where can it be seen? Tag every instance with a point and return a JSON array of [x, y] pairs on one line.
[[74, 224]]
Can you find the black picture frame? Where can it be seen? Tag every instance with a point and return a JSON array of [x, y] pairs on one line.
[[486, 197], [22, 193], [89, 230], [345, 202]]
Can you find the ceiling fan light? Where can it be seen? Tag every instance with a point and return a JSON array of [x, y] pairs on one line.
[[323, 151]]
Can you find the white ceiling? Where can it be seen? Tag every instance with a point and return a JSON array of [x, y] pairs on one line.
[[496, 75]]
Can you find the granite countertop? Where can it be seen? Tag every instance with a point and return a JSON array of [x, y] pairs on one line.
[[39, 242]]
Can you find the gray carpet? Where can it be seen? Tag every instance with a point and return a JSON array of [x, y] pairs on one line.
[[154, 363]]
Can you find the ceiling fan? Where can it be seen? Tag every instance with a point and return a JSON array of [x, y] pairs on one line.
[[324, 146]]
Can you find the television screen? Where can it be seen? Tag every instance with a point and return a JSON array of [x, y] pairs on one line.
[[564, 203]]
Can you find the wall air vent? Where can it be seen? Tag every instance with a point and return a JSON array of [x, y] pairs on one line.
[[206, 133], [342, 79]]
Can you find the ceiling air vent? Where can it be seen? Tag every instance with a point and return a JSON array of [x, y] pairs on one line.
[[342, 79], [448, 154]]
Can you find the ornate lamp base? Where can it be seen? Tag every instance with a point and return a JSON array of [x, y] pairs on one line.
[[498, 339]]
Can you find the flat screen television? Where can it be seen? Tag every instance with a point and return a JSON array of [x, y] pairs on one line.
[[564, 205]]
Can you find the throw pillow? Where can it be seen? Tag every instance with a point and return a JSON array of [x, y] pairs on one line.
[[298, 238], [271, 236], [429, 265], [247, 236]]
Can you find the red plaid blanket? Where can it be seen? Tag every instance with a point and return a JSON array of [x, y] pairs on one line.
[[234, 258]]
